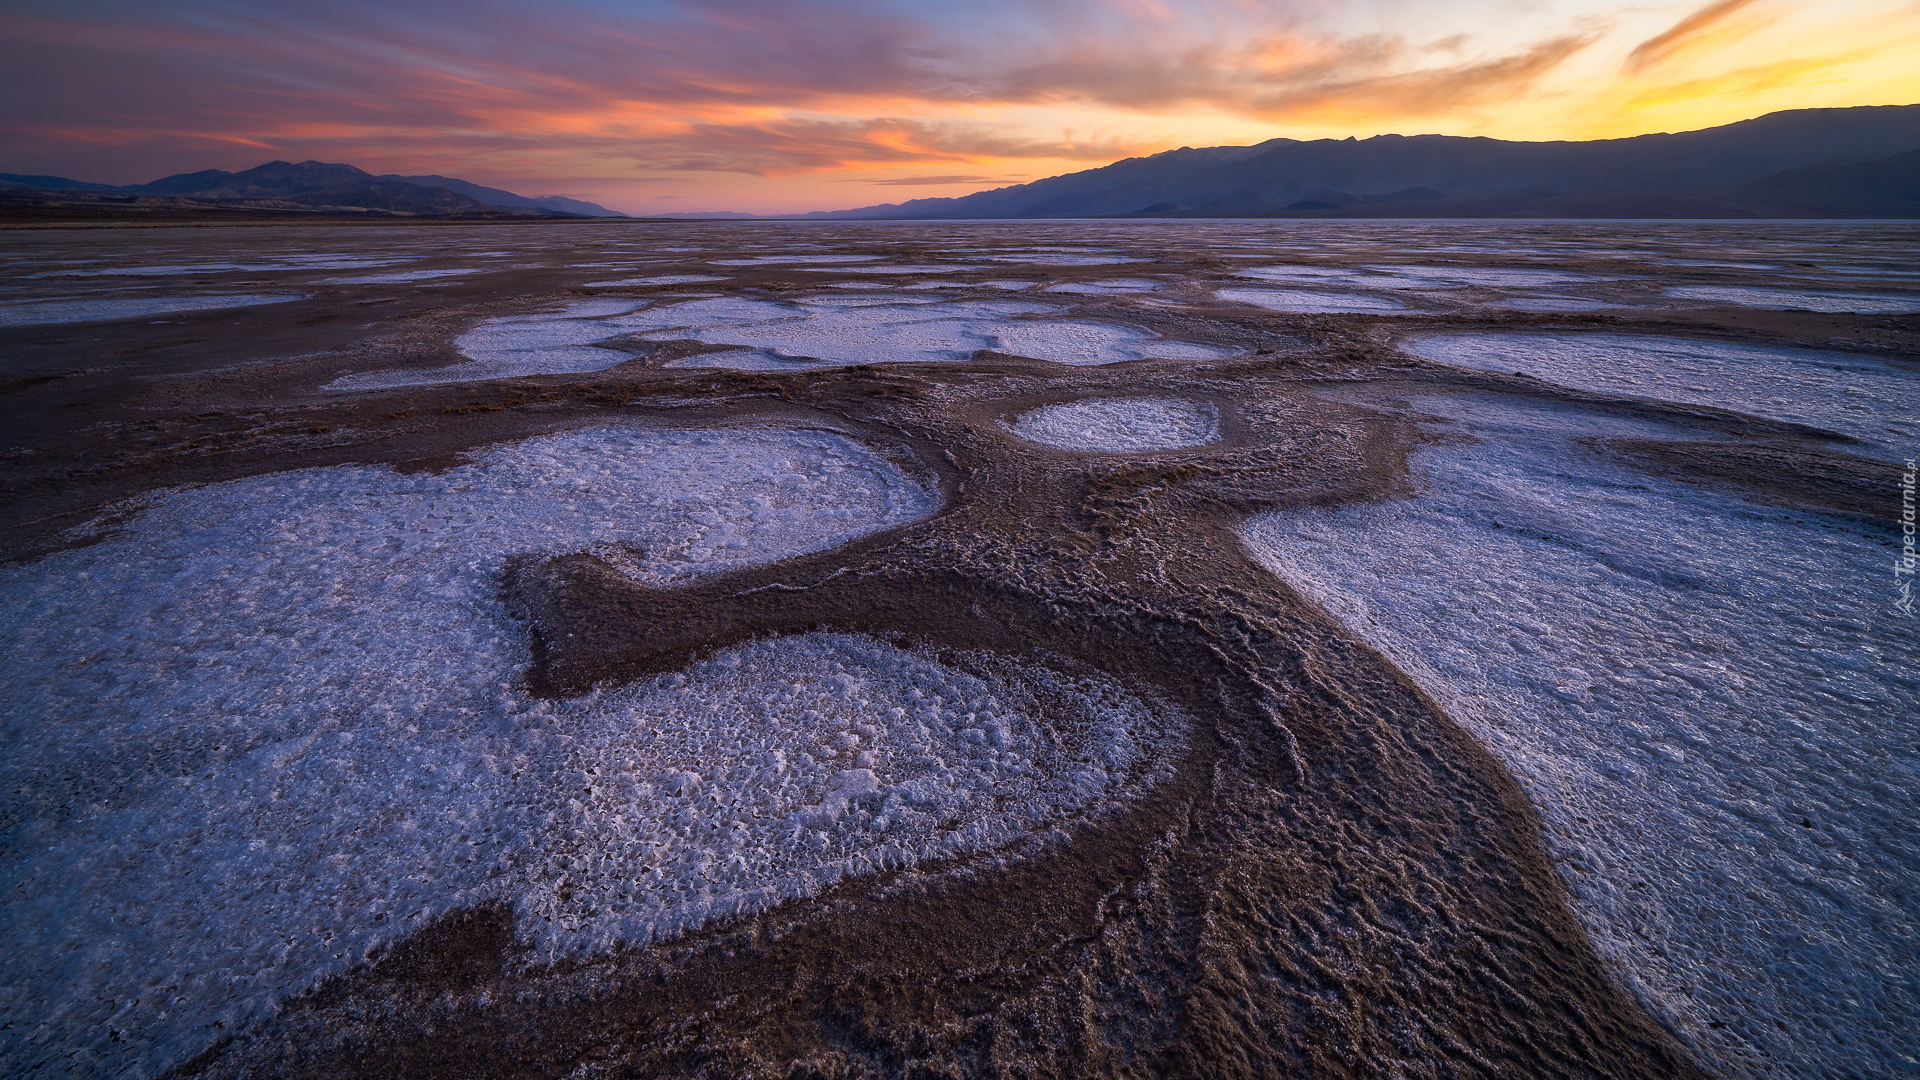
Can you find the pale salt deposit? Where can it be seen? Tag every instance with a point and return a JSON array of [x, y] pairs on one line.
[[898, 269], [1065, 258], [886, 329], [1120, 425], [1451, 277], [42, 312], [1100, 288], [1709, 702], [1302, 301], [658, 279], [776, 260], [1790, 300], [1552, 303], [556, 343], [407, 275], [276, 722], [1852, 394]]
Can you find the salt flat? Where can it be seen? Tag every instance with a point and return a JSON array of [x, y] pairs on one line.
[[1370, 639]]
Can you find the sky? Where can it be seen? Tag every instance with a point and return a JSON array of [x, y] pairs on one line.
[[775, 106]]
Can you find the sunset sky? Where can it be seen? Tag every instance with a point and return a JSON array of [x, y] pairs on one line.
[[770, 106]]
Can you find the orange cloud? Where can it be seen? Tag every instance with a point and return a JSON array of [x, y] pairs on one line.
[[1429, 91], [1703, 28]]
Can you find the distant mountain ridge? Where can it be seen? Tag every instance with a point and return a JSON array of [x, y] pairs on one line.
[[305, 186], [1812, 162]]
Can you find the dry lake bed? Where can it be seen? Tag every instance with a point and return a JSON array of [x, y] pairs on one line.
[[787, 649]]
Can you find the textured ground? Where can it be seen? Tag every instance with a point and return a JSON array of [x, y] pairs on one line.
[[1171, 649]]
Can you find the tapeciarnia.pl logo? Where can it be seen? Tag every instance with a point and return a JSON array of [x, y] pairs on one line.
[[1903, 566]]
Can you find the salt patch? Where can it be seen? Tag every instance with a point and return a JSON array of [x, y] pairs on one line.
[[658, 279], [404, 275], [1788, 300], [41, 312], [1447, 277], [1855, 395], [1302, 301], [559, 343], [1099, 288], [1552, 303], [870, 330], [275, 722], [904, 269], [1063, 258], [1120, 425], [1318, 275], [773, 260], [1709, 702]]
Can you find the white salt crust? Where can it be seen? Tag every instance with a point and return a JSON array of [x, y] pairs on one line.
[[42, 312], [554, 343], [1847, 393], [775, 260], [1552, 303], [1418, 277], [1305, 302], [1709, 702], [410, 275], [821, 331], [658, 279], [1102, 288], [1120, 425], [278, 721], [1791, 300], [1062, 258]]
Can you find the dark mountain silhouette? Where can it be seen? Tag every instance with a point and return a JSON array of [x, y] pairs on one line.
[[1889, 187], [497, 197], [288, 187], [1738, 170]]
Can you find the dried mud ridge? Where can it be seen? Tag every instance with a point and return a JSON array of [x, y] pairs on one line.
[[1335, 881]]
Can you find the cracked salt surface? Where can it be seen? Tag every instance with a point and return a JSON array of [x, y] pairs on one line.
[[275, 722], [1063, 258], [1100, 288], [1710, 703], [660, 279], [1790, 300], [914, 269], [774, 260], [555, 343], [405, 275], [1120, 425], [1854, 395], [42, 312], [1301, 301], [831, 330], [1552, 303]]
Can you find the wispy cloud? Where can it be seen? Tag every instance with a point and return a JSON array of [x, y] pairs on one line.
[[1705, 24], [929, 181]]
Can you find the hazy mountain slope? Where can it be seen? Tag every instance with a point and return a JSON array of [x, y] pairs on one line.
[[1889, 187], [50, 183], [498, 197], [1441, 175], [313, 185]]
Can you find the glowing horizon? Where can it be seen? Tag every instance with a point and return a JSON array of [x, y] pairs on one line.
[[768, 107]]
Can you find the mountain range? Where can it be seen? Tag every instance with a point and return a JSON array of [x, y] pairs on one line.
[[284, 188], [1858, 162]]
